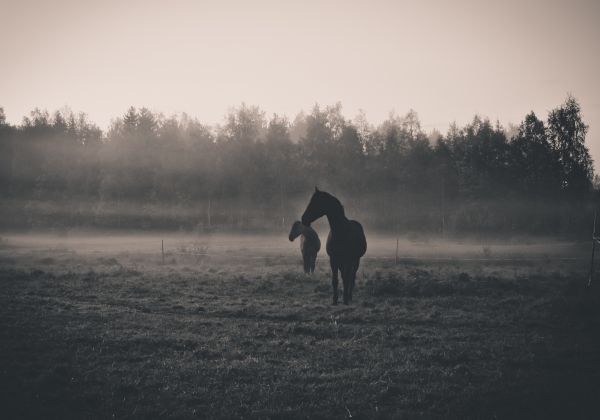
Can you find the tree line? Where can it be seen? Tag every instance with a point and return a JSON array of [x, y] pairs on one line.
[[253, 171]]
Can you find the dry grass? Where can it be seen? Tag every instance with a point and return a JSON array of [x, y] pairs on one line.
[[120, 335]]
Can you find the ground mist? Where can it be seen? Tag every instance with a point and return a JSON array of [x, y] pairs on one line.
[[98, 327]]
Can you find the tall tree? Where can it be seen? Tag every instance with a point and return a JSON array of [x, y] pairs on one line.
[[245, 124], [534, 168], [566, 132]]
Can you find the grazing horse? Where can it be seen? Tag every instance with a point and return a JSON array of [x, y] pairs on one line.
[[309, 244], [346, 242]]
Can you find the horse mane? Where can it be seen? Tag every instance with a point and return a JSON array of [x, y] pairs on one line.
[[337, 205]]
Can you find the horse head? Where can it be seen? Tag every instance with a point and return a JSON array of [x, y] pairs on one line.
[[296, 231], [315, 209]]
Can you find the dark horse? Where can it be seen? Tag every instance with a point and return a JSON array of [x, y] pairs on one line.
[[309, 244], [346, 242]]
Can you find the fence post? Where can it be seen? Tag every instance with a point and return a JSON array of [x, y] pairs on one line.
[[208, 213], [593, 251]]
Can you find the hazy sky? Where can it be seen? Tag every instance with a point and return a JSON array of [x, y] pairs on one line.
[[448, 60]]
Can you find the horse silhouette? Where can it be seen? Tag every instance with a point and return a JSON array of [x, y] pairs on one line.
[[346, 242], [310, 244]]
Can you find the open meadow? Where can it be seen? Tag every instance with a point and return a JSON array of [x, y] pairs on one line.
[[228, 326]]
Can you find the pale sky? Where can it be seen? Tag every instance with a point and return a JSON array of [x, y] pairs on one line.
[[448, 60]]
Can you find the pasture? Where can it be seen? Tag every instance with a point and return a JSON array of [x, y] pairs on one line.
[[229, 326]]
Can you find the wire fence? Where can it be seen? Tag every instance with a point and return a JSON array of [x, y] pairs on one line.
[[383, 257]]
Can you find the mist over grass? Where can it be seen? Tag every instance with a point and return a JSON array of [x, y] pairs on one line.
[[381, 247], [228, 326], [379, 214]]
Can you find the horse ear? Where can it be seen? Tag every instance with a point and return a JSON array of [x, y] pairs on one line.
[[316, 189]]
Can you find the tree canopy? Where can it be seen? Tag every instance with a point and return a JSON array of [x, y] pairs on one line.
[[253, 169]]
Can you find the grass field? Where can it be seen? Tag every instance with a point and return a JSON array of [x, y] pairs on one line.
[[229, 327]]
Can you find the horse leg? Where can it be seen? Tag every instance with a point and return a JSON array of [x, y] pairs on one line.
[[334, 280], [313, 263], [306, 261], [353, 277], [346, 270]]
